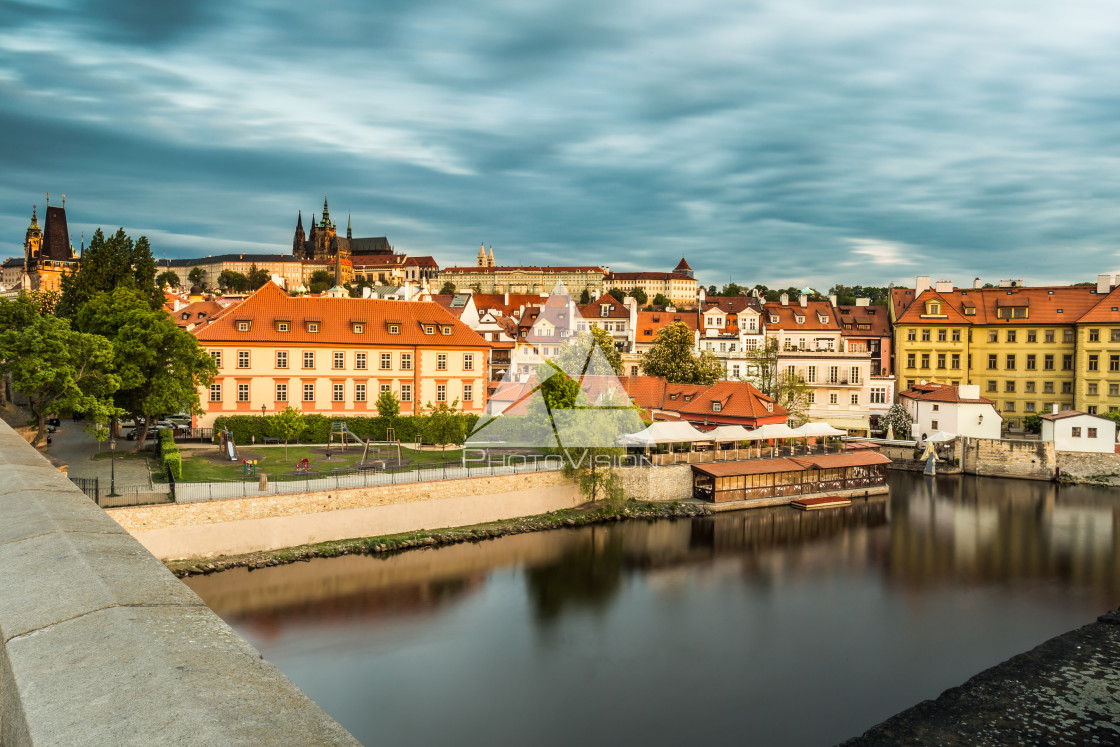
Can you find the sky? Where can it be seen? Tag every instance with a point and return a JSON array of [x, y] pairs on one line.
[[792, 142]]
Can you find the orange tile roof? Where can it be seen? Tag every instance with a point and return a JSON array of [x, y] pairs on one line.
[[652, 322], [942, 394], [336, 317], [594, 310], [198, 312], [787, 316], [1058, 304], [737, 399], [732, 304], [874, 316], [1106, 310], [544, 269]]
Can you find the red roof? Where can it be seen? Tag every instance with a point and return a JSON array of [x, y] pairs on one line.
[[736, 399], [927, 393], [336, 318], [682, 265], [810, 314], [594, 310], [546, 269], [1057, 304], [854, 317]]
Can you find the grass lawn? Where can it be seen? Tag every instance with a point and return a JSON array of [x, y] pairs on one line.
[[198, 467]]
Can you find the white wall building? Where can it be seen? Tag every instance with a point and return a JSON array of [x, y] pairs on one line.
[[953, 409], [1071, 430]]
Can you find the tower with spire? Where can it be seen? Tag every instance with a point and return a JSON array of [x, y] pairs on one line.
[[48, 252]]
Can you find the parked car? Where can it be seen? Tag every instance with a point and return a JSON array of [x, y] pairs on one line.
[[56, 422], [131, 436]]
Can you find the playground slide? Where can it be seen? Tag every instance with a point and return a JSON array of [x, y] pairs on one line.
[[231, 449]]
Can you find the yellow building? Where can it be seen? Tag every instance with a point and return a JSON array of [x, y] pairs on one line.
[[334, 355], [48, 252], [1027, 348]]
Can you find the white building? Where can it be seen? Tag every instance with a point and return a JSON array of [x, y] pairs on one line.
[[1071, 430], [953, 409]]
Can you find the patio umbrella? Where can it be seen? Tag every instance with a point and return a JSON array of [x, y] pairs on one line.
[[726, 433], [819, 429], [938, 437]]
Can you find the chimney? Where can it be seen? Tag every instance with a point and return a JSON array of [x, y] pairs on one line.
[[832, 298], [943, 286], [803, 300], [784, 298], [969, 391], [408, 290], [976, 283], [505, 299], [1054, 408], [921, 285], [863, 302], [1104, 284], [702, 295]]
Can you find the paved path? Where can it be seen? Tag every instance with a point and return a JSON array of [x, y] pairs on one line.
[[72, 445]]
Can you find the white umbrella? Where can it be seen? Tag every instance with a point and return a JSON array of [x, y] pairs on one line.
[[819, 429], [774, 430], [729, 433], [938, 437], [671, 432]]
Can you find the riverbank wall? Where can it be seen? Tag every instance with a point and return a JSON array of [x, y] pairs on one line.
[[238, 526], [1061, 692], [101, 645]]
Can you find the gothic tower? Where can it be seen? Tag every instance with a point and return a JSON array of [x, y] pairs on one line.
[[481, 255], [300, 239], [32, 241]]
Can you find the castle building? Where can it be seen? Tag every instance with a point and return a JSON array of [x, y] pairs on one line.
[[47, 251]]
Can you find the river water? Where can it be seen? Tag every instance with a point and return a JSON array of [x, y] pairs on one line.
[[768, 626]]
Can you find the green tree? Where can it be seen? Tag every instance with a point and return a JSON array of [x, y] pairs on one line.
[[288, 424], [197, 276], [160, 366], [447, 289], [584, 298], [576, 355], [731, 289], [639, 295], [444, 426], [618, 293], [107, 265], [792, 393], [762, 365], [167, 279], [388, 406], [672, 356], [661, 301], [232, 280], [320, 281], [1033, 423], [55, 367], [257, 277], [898, 420], [712, 291]]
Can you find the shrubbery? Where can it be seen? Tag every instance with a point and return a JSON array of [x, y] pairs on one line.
[[169, 455], [247, 427]]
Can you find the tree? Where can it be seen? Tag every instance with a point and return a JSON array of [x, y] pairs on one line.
[[731, 289], [388, 406], [288, 424], [57, 368], [1033, 423], [792, 393], [107, 265], [618, 294], [444, 425], [320, 281], [232, 280], [899, 421], [639, 295], [197, 276], [447, 289], [672, 356], [584, 298], [712, 291], [167, 279], [577, 354], [762, 362], [661, 300], [257, 277], [160, 366]]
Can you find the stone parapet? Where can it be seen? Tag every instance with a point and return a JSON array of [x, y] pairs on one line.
[[101, 645]]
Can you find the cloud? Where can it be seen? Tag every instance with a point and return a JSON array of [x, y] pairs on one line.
[[882, 252]]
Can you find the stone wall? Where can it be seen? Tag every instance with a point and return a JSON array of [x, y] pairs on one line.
[[101, 645], [1032, 460], [669, 483], [1088, 467]]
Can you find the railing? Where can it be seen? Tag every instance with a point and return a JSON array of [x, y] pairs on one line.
[[186, 492], [742, 454], [705, 492], [126, 495]]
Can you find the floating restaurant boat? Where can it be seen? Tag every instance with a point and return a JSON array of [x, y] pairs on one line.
[[826, 501]]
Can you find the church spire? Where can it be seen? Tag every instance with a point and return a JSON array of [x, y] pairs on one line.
[[491, 260], [326, 214], [348, 233]]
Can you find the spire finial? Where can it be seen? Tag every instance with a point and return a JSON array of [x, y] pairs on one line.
[[48, 199], [64, 202]]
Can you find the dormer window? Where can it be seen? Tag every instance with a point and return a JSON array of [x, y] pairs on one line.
[[186, 316], [313, 326], [672, 396], [429, 329], [243, 326], [359, 329], [773, 318], [446, 329], [394, 329], [283, 326], [800, 319], [717, 406]]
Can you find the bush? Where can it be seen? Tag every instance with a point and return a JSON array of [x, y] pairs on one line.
[[169, 456], [407, 427]]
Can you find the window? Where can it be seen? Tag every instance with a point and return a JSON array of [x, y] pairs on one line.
[[1092, 389], [993, 336], [468, 395], [993, 361], [242, 392], [1067, 362], [1029, 407], [911, 334], [1010, 362], [1029, 387], [910, 360], [359, 392], [811, 374], [429, 329], [1067, 334], [1009, 406], [242, 358], [386, 361], [1114, 335], [941, 360], [359, 329], [955, 360], [360, 361], [1114, 363], [1075, 432], [1048, 362], [215, 392], [1093, 431], [394, 329], [936, 425], [854, 375], [1048, 335], [925, 335], [281, 358], [406, 392], [925, 360], [308, 392], [1009, 386], [812, 398], [1114, 390], [855, 399], [942, 334], [384, 388], [1067, 387], [1032, 335], [1048, 387], [1094, 362], [441, 392], [446, 329], [313, 326], [1094, 335], [833, 374], [993, 386], [1011, 335], [441, 362], [406, 361], [878, 395], [243, 326], [339, 360], [1031, 362], [216, 355], [833, 399], [338, 393], [936, 408], [282, 326], [281, 392], [309, 359], [956, 335], [468, 361]]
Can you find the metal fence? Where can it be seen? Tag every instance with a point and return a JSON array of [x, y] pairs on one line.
[[126, 495], [187, 492]]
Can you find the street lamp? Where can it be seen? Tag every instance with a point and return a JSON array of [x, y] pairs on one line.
[[112, 466], [263, 408]]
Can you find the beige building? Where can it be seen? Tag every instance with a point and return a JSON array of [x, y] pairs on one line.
[[679, 286], [525, 279], [336, 355], [291, 270]]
